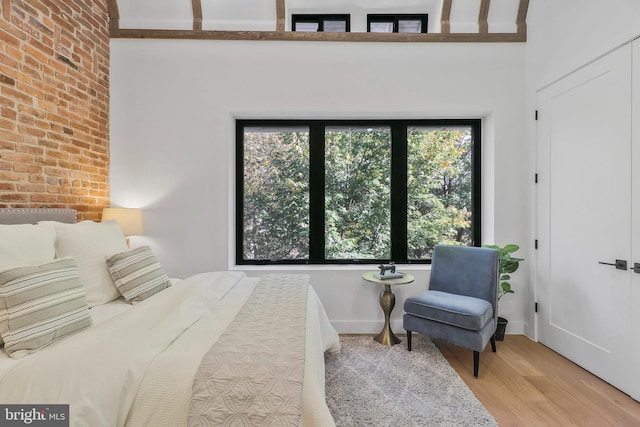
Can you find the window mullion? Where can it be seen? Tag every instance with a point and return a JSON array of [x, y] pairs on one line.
[[239, 192], [476, 204], [316, 193], [399, 192]]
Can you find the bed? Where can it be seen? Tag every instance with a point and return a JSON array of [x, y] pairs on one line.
[[124, 345]]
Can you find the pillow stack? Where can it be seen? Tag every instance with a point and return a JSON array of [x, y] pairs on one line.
[[90, 243], [52, 273]]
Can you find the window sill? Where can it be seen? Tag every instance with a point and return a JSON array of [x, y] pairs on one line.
[[324, 267]]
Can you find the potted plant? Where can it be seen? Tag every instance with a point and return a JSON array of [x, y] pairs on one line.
[[508, 265]]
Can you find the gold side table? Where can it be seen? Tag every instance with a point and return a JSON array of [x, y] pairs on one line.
[[387, 302]]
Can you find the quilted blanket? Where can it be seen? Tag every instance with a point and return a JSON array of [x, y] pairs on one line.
[[253, 375]]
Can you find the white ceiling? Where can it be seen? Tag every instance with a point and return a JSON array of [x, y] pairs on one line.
[[260, 15]]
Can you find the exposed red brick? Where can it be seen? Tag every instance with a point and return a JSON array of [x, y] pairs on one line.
[[30, 168], [27, 148], [54, 98], [15, 197], [15, 156], [12, 176], [8, 113], [31, 188], [44, 198], [62, 157]]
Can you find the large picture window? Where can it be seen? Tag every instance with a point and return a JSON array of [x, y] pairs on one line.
[[318, 192]]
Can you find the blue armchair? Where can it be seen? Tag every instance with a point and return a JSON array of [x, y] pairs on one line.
[[461, 305]]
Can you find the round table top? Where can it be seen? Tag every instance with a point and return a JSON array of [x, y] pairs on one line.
[[407, 278]]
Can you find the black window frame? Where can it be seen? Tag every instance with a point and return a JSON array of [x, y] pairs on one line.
[[320, 19], [399, 192], [395, 18]]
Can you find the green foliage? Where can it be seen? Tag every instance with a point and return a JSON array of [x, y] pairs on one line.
[[439, 189], [508, 265], [357, 192], [276, 195]]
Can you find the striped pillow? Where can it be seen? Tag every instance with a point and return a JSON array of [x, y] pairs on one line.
[[137, 274], [40, 305]]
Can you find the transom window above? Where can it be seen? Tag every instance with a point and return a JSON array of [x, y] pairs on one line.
[[397, 23], [331, 23], [330, 191]]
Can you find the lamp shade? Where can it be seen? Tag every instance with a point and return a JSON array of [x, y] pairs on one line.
[[130, 220]]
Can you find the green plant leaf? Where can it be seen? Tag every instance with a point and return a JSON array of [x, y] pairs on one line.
[[509, 266], [511, 248], [506, 288]]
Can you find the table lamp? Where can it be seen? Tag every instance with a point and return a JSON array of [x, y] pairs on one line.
[[129, 219]]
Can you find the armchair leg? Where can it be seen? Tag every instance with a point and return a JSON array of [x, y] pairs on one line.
[[409, 340], [493, 343], [476, 363]]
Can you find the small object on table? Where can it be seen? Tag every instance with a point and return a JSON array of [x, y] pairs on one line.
[[387, 302], [387, 271]]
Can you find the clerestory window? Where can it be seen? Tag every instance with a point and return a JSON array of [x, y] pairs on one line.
[[397, 23], [328, 23]]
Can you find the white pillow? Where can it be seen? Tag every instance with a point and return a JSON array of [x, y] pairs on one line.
[[26, 245], [90, 243]]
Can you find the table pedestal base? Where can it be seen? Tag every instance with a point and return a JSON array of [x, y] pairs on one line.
[[387, 337], [387, 302]]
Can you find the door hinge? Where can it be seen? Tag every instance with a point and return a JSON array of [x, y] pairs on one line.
[[536, 114], [535, 244], [535, 307]]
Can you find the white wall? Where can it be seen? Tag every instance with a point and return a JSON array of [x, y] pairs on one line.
[[173, 105], [564, 35]]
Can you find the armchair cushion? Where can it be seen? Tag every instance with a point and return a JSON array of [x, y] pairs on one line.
[[457, 310]]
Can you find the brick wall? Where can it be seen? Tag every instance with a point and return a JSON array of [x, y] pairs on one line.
[[54, 105]]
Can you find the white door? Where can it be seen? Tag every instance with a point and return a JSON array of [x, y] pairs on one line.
[[635, 248], [584, 218]]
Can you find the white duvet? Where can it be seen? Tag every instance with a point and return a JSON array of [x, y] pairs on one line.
[[135, 367]]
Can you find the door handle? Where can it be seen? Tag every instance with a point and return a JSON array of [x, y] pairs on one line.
[[620, 264], [636, 267]]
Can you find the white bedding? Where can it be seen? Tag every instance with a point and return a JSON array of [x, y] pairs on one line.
[[135, 365]]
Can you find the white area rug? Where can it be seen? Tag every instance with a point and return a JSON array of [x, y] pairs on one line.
[[373, 385]]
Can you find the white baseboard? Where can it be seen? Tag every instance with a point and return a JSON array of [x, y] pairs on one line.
[[373, 327]]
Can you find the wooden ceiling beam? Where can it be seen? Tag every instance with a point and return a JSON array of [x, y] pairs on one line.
[[280, 15], [196, 6], [521, 19], [114, 15], [445, 17], [326, 37], [483, 23]]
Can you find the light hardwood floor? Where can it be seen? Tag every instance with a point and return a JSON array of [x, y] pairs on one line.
[[526, 384]]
